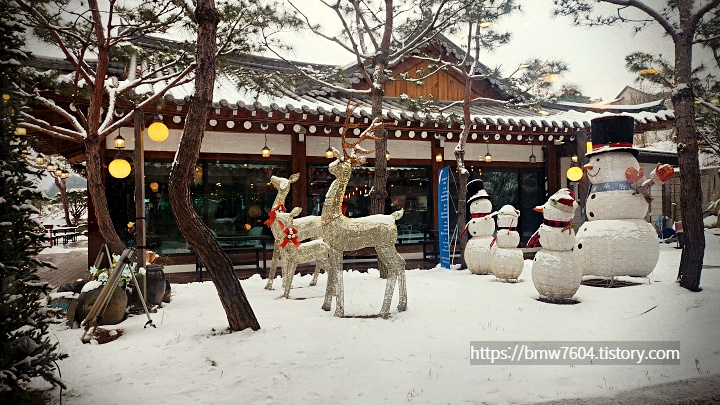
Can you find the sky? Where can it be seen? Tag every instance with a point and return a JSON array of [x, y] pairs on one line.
[[596, 56]]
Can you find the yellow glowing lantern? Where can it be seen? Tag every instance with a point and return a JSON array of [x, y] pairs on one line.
[[574, 173], [119, 168], [157, 131], [154, 187]]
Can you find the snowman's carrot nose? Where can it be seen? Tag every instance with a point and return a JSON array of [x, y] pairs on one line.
[[538, 209], [588, 167]]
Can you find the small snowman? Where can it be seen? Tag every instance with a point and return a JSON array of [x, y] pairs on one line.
[[555, 271], [616, 240], [481, 228], [507, 260]]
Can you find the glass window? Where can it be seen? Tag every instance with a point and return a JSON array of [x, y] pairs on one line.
[[409, 188], [232, 198], [522, 188]]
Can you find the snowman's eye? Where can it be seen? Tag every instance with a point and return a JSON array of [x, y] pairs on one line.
[[597, 160]]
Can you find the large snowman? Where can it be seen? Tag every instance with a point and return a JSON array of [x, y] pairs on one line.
[[507, 260], [556, 273], [616, 240], [481, 228]]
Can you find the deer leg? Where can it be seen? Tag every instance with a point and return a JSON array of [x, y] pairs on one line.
[[291, 265], [286, 278], [393, 261], [329, 288], [336, 287], [315, 274], [273, 266]]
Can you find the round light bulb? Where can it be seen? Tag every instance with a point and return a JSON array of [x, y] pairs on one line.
[[574, 173], [119, 168], [158, 132]]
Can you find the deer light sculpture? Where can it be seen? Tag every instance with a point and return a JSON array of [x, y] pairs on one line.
[[346, 234], [308, 227]]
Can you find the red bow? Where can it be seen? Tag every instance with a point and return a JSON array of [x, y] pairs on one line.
[[273, 214], [292, 236]]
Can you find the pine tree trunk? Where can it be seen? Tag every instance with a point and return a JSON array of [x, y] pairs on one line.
[[237, 307], [96, 191], [690, 188], [62, 186]]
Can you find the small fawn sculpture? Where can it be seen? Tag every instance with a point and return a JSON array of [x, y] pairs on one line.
[[294, 252], [345, 234], [309, 227]]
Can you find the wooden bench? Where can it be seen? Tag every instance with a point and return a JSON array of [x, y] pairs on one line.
[[66, 237], [240, 244]]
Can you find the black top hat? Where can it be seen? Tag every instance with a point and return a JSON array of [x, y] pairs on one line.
[[481, 193], [612, 133]]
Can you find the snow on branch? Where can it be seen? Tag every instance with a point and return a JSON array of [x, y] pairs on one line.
[[35, 124], [80, 130]]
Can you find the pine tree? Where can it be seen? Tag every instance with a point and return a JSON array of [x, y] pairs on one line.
[[26, 352]]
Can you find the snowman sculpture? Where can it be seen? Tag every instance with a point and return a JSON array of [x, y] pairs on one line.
[[481, 228], [556, 272], [507, 260], [616, 240]]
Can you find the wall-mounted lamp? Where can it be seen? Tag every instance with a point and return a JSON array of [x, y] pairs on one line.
[[387, 155], [488, 156]]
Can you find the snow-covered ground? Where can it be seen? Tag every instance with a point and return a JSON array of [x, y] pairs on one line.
[[303, 355]]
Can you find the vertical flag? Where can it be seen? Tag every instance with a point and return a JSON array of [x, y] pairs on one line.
[[444, 216]]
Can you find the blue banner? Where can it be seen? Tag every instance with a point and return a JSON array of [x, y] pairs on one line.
[[444, 216]]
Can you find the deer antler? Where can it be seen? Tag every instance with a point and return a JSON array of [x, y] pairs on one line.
[[353, 157]]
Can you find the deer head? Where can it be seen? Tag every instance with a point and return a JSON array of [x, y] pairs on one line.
[[282, 184]]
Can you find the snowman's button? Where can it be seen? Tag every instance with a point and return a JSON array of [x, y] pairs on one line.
[[592, 214], [579, 246], [592, 196]]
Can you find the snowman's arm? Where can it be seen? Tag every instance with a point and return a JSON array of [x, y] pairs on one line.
[[661, 174]]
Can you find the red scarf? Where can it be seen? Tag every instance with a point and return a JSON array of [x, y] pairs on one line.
[[273, 215], [291, 236]]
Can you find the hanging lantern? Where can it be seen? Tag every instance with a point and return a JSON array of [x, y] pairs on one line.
[[119, 141], [387, 155], [40, 160], [574, 173], [154, 187], [50, 167], [488, 156], [157, 131], [532, 158], [58, 172], [65, 174], [119, 168], [574, 158], [329, 152], [439, 157], [20, 131]]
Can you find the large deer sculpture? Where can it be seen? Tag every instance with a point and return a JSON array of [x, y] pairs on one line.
[[308, 227], [346, 234]]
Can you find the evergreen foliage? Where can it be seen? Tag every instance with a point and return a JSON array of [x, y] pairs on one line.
[[25, 348]]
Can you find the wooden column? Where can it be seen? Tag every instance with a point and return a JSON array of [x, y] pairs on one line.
[[436, 166], [581, 138], [552, 165], [299, 165]]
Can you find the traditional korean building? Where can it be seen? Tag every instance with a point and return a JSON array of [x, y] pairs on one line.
[[530, 148]]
